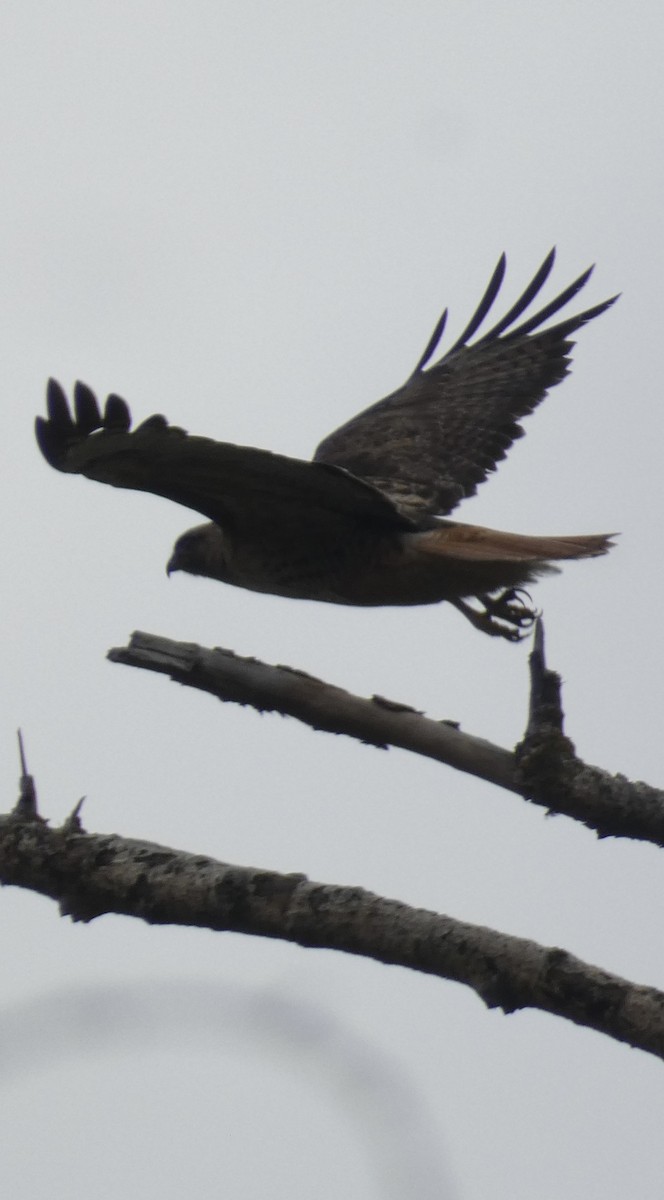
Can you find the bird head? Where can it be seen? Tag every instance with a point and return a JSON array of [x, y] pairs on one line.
[[199, 551]]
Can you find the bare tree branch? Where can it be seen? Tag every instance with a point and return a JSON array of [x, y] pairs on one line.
[[553, 776], [544, 768], [27, 799], [376, 722], [93, 874]]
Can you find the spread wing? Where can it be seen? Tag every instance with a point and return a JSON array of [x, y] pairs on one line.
[[431, 443], [236, 486]]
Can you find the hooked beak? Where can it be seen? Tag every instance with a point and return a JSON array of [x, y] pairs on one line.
[[172, 565]]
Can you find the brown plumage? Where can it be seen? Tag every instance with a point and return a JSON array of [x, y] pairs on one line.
[[363, 523]]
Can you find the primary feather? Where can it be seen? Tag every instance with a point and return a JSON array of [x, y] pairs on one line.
[[429, 444]]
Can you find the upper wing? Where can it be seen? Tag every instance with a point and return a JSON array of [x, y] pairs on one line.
[[434, 440], [236, 486]]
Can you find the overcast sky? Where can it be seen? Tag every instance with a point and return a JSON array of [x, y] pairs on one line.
[[249, 217]]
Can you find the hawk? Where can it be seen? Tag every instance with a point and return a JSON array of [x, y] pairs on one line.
[[366, 521]]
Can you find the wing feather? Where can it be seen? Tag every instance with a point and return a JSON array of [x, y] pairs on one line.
[[411, 456], [236, 486], [432, 442]]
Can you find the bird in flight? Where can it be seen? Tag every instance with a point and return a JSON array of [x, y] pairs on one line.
[[366, 521]]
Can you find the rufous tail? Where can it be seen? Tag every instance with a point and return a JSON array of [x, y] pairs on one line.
[[474, 543]]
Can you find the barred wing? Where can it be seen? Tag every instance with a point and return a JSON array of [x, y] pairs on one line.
[[429, 444]]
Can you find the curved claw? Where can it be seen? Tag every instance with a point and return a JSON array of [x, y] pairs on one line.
[[506, 615], [511, 606]]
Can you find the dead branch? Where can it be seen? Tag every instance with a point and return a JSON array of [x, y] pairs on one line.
[[553, 776], [92, 874], [376, 721], [544, 768]]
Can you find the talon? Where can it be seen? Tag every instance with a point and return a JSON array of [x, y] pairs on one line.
[[506, 615], [511, 606]]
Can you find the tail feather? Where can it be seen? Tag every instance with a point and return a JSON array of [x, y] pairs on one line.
[[473, 543]]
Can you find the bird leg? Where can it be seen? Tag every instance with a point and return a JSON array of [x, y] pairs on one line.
[[506, 615]]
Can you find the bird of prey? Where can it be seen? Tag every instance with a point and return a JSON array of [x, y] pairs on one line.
[[366, 521]]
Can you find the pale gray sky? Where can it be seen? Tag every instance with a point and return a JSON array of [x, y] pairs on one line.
[[249, 217]]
